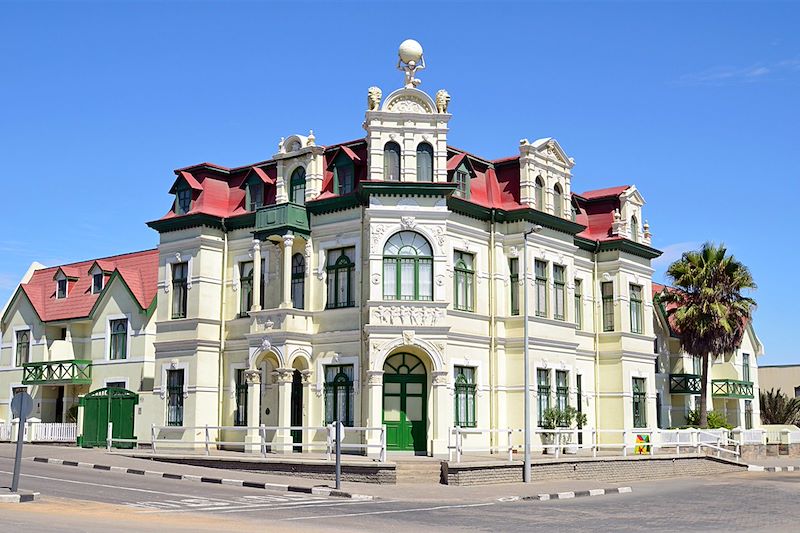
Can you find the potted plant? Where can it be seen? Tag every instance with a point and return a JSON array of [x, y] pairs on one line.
[[568, 418]]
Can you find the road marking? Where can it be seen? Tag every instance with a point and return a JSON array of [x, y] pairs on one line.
[[310, 504], [391, 511], [238, 506], [148, 491]]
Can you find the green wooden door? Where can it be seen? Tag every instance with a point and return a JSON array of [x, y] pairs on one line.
[[405, 399], [98, 406]]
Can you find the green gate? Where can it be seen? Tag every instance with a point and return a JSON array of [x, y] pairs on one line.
[[104, 405]]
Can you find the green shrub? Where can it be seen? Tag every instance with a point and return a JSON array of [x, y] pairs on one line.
[[716, 420]]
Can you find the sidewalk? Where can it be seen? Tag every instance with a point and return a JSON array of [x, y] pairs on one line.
[[406, 492]]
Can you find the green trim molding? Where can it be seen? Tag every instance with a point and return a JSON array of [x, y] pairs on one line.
[[731, 388], [69, 372], [281, 219]]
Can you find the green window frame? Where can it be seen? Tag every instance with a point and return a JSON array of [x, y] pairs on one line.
[[240, 414], [254, 194], [424, 162], [23, 347], [464, 281], [298, 281], [607, 294], [97, 283], [119, 339], [513, 268], [540, 268], [543, 393], [558, 201], [245, 288], [339, 394], [343, 176], [639, 403], [391, 161], [61, 289], [559, 292], [407, 267], [637, 320], [465, 397], [340, 269], [562, 390], [745, 367], [579, 303], [180, 273], [538, 193], [175, 380], [183, 200], [297, 186], [462, 180], [748, 414]]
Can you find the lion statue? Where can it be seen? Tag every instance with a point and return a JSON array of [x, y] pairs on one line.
[[442, 100], [374, 98]]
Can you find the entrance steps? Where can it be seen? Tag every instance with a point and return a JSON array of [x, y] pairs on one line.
[[418, 470]]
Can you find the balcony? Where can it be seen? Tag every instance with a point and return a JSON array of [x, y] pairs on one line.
[[71, 372], [281, 219], [731, 388], [684, 384]]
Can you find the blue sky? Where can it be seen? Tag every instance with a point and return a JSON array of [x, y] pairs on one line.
[[696, 104]]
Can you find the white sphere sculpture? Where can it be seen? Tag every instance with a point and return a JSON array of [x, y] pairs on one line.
[[410, 50]]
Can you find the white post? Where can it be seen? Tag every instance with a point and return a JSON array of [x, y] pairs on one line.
[[510, 451], [624, 443], [329, 440], [153, 437], [208, 438], [594, 442], [108, 436], [262, 432], [383, 443], [458, 444]]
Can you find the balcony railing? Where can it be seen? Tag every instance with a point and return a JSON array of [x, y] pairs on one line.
[[731, 388], [280, 219], [684, 384], [71, 372]]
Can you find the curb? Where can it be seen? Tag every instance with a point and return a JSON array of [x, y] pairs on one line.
[[18, 498], [756, 468], [567, 495], [319, 491]]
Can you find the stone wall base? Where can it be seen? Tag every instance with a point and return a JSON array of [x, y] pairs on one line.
[[607, 469]]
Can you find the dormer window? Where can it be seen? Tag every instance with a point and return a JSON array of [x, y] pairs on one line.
[[634, 229], [61, 288], [558, 201], [97, 283], [343, 175], [539, 193], [255, 195], [462, 183], [183, 201]]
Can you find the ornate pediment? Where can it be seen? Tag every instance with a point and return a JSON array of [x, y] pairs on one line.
[[409, 101]]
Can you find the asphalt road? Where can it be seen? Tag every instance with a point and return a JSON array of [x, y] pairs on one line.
[[78, 499]]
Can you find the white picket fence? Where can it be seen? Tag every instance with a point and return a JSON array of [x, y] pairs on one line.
[[40, 432]]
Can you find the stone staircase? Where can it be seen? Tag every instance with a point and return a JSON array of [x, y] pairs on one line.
[[418, 470]]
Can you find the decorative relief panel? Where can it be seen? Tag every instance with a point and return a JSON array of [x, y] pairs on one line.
[[409, 104], [404, 315]]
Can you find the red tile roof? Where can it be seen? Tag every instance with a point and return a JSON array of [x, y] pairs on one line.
[[139, 271], [494, 184]]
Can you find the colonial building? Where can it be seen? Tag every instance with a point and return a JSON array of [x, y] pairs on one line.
[[733, 389], [376, 281]]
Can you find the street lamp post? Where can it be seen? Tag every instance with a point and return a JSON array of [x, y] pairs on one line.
[[526, 470]]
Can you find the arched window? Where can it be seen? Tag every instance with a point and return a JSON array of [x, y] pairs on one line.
[[424, 162], [297, 187], [634, 229], [558, 201], [298, 280], [23, 347], [464, 278], [341, 265], [391, 161], [407, 267], [539, 194], [339, 394]]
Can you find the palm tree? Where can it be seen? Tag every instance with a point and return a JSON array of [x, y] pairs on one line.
[[708, 311], [777, 408]]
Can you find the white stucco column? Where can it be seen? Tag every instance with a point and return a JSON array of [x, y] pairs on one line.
[[283, 380], [440, 421], [374, 409], [256, 275], [286, 296], [252, 438]]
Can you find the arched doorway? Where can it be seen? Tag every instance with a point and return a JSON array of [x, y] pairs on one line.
[[405, 399], [297, 409]]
